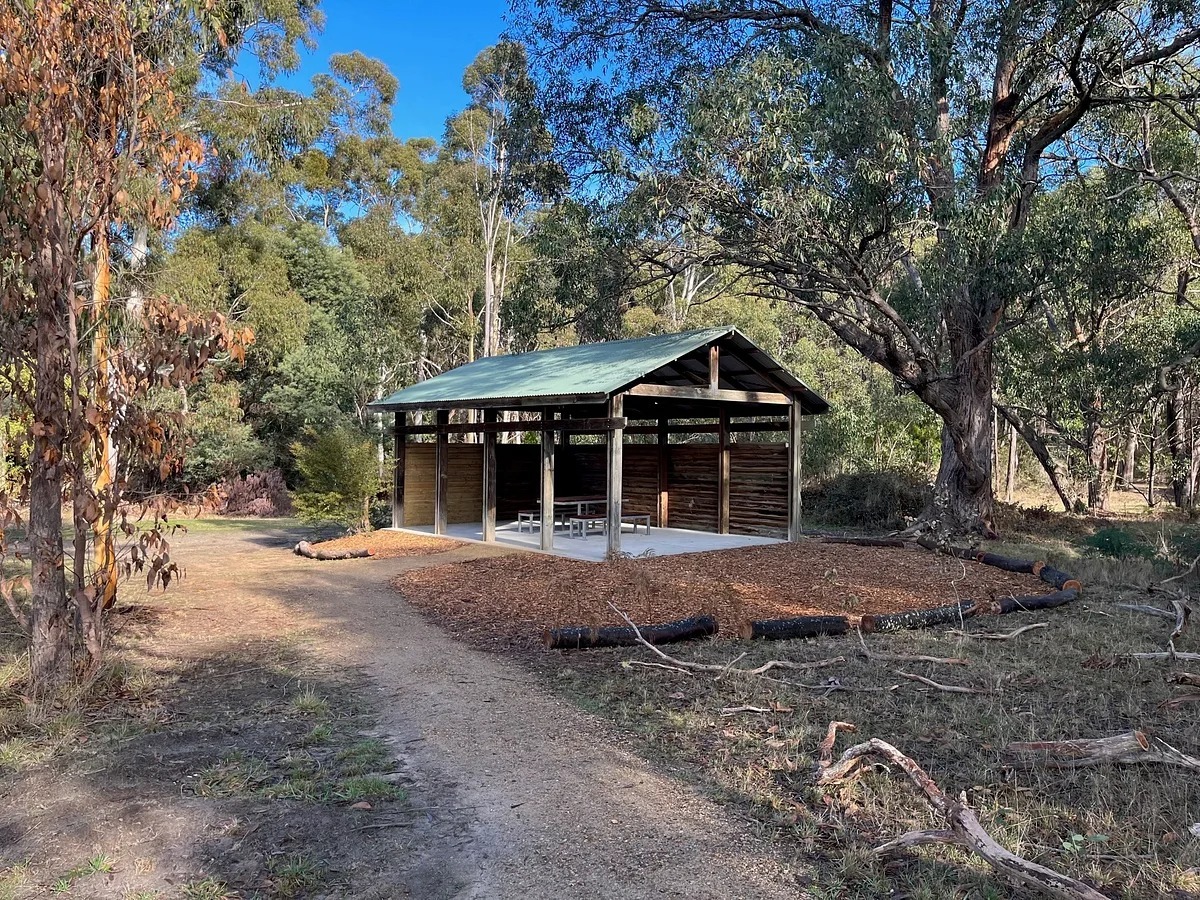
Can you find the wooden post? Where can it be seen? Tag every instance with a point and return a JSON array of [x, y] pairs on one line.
[[664, 471], [795, 459], [616, 472], [489, 478], [399, 446], [547, 493], [441, 472], [723, 473]]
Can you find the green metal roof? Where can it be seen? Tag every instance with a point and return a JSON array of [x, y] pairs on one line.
[[585, 373]]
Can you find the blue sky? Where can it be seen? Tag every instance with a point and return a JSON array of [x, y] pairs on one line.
[[426, 45]]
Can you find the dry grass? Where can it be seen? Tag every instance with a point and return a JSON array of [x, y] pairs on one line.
[[1125, 829]]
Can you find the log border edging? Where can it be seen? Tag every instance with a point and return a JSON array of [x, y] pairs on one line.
[[1067, 590]]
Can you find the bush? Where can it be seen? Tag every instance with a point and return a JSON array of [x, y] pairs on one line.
[[880, 500], [340, 477], [259, 494], [1119, 544]]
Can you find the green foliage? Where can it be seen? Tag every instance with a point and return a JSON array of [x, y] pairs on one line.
[[223, 443], [876, 501], [1119, 544], [339, 476]]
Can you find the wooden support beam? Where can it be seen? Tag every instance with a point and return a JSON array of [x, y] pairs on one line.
[[489, 477], [399, 445], [547, 492], [664, 472], [679, 392], [497, 427], [723, 474], [441, 470], [616, 472], [795, 460], [708, 428], [714, 367]]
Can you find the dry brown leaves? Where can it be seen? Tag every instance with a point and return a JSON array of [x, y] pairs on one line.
[[511, 599]]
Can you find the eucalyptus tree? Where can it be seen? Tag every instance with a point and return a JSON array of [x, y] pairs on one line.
[[876, 164]]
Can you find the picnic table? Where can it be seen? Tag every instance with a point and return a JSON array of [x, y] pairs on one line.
[[563, 508]]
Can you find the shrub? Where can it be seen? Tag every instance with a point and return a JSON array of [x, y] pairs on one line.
[[1119, 544], [866, 500], [260, 494], [340, 477]]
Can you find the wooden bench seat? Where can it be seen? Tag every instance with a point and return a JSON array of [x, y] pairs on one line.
[[579, 526]]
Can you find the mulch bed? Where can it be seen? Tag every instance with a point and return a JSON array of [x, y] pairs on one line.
[[386, 544], [511, 599]]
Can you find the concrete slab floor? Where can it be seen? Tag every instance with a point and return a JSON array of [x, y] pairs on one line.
[[661, 541]]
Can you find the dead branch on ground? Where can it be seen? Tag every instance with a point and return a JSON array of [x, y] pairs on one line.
[[998, 635], [948, 688], [1170, 655], [965, 830], [1131, 747], [723, 668], [903, 657], [1147, 609]]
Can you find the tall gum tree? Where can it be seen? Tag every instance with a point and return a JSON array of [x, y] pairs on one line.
[[875, 164]]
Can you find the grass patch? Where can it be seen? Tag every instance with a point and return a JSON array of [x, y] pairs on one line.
[[206, 889], [293, 874], [309, 703], [365, 756], [14, 879], [1123, 828]]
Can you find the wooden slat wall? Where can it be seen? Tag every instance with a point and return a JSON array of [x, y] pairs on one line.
[[758, 489], [585, 473], [692, 486], [518, 479], [464, 502]]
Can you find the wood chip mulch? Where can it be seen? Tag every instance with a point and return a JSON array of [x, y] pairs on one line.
[[386, 544], [511, 599]]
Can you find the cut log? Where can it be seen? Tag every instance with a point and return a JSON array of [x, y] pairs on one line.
[[1131, 747], [1036, 601], [800, 627], [1009, 564], [923, 618], [586, 638], [307, 550], [1056, 577]]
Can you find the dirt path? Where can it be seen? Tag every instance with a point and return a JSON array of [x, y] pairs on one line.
[[522, 795]]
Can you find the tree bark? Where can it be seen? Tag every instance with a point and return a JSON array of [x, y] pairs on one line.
[[1010, 480], [963, 489]]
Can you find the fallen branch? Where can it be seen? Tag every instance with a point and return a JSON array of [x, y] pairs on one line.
[[1147, 609], [1184, 678], [1130, 747], [1165, 655], [998, 635], [965, 829], [734, 710], [939, 615], [723, 668], [948, 688], [901, 657], [654, 665], [1182, 612], [585, 638], [308, 551]]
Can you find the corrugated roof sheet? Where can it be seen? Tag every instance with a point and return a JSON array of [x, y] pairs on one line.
[[585, 372]]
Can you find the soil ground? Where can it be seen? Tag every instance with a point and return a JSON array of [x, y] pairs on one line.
[[266, 695]]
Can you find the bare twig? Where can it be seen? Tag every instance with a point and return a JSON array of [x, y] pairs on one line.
[[948, 688], [654, 665], [725, 668], [734, 710], [1148, 610], [998, 635], [965, 829], [902, 657], [1182, 612], [1184, 574]]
